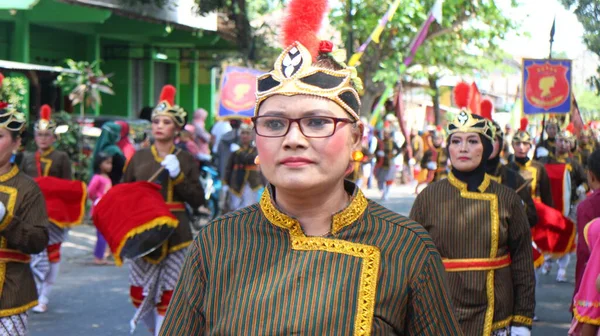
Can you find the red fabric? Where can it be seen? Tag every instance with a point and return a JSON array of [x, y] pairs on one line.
[[114, 216], [553, 233], [54, 253], [303, 23], [65, 200], [124, 144], [475, 102], [137, 295], [556, 174], [165, 299]]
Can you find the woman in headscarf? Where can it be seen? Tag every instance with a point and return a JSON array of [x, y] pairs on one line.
[[481, 230], [124, 144], [314, 256], [107, 143]]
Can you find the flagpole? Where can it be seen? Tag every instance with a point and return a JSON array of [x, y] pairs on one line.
[[552, 31]]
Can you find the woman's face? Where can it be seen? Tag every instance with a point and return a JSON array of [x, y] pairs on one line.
[[163, 128], [246, 137], [496, 148], [44, 139], [466, 151], [521, 148], [295, 162], [7, 146]]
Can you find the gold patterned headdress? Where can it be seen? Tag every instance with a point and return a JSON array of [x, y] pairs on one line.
[[45, 122], [522, 135], [297, 70], [166, 106], [11, 119], [465, 121]]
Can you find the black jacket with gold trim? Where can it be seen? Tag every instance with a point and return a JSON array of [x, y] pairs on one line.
[[512, 179], [185, 188], [485, 242], [578, 176], [23, 231], [540, 184], [53, 162], [241, 169], [441, 159]]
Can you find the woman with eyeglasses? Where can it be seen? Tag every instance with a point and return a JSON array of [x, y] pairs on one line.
[[481, 230], [314, 256], [23, 229]]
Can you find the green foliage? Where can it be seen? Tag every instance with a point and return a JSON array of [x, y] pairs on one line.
[[14, 91], [589, 103], [70, 142], [466, 42], [588, 13], [84, 83]]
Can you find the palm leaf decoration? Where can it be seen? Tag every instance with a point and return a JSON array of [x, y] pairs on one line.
[[84, 82]]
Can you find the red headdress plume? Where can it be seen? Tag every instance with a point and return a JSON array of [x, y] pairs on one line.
[[1, 78], [168, 94], [303, 23], [486, 108], [571, 128], [45, 112], [524, 124], [462, 93]]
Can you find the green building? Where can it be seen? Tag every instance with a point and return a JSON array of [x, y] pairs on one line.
[[143, 47]]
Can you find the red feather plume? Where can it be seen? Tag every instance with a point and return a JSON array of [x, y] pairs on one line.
[[486, 108], [303, 22], [168, 94], [45, 112], [524, 124], [571, 128], [462, 92], [1, 78]]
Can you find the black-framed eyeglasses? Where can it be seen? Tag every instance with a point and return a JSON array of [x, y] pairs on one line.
[[311, 127]]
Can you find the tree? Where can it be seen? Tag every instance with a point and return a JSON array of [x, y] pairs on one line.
[[470, 30], [588, 13]]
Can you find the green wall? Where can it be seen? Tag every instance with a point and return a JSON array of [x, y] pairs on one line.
[[51, 46], [119, 104]]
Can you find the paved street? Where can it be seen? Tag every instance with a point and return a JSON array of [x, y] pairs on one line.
[[92, 300]]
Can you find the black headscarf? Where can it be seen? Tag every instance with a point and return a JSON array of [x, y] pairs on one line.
[[474, 178]]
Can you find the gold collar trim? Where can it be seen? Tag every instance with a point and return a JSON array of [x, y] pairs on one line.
[[11, 173], [460, 185], [157, 158], [347, 216], [47, 152]]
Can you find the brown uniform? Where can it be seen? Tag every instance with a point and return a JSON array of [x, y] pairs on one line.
[[512, 179], [441, 160], [185, 188], [22, 232], [241, 169], [578, 176], [582, 154], [52, 163], [540, 183], [485, 244]]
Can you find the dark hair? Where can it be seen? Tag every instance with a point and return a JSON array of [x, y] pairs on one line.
[[594, 163], [100, 157], [14, 135]]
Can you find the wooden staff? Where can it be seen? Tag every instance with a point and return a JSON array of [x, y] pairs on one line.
[[524, 185], [162, 168]]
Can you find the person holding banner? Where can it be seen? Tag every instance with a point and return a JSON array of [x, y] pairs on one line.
[[23, 229], [585, 147], [569, 181], [153, 277], [481, 230], [547, 147], [47, 161], [314, 257]]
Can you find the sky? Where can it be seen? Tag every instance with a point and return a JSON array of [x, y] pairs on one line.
[[536, 17]]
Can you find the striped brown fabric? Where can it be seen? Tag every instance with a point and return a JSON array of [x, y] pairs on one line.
[[474, 225], [53, 163], [185, 188], [25, 229], [253, 272]]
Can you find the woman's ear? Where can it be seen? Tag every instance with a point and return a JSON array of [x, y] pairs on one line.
[[357, 134]]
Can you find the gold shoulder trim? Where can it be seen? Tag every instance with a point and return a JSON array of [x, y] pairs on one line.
[[11, 173], [349, 215], [155, 153]]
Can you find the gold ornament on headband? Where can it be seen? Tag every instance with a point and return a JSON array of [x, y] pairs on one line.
[[45, 122], [466, 122], [11, 119], [166, 106], [295, 74]]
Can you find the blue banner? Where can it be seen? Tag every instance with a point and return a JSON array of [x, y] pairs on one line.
[[546, 86], [238, 93]]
